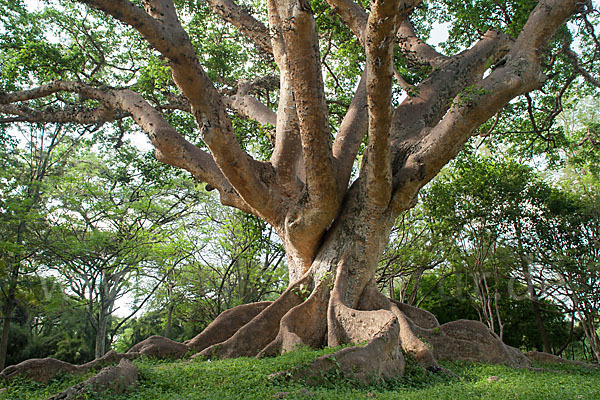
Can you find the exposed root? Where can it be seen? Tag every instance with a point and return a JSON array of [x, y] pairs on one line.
[[118, 379], [548, 358], [422, 336], [380, 358], [42, 370], [347, 325], [409, 330], [419, 317], [253, 337], [389, 327], [472, 341], [226, 325], [311, 316], [410, 341], [159, 347], [303, 325]]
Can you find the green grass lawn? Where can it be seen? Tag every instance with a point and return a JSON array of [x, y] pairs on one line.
[[247, 378]]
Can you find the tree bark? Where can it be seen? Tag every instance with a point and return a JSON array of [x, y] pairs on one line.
[[100, 348], [8, 310], [11, 293], [169, 320], [533, 297]]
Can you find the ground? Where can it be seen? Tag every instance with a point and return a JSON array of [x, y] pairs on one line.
[[249, 378]]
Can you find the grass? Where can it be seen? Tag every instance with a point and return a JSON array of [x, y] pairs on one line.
[[247, 378]]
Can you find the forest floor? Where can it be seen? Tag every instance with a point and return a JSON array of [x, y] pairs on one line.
[[248, 378]]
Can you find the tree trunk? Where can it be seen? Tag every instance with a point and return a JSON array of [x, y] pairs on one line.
[[10, 302], [169, 320], [336, 302], [531, 290], [589, 329], [571, 331], [12, 289], [538, 315], [333, 237], [100, 348], [8, 310]]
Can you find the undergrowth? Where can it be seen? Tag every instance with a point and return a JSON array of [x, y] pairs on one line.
[[249, 378]]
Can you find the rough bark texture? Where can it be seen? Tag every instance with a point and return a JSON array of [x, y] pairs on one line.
[[333, 230], [225, 325], [547, 358], [117, 379], [45, 369], [159, 347]]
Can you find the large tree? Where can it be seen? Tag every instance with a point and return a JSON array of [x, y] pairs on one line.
[[333, 222]]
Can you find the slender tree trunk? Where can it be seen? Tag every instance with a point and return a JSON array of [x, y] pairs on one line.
[[538, 315], [8, 310], [169, 320], [531, 290], [592, 336], [571, 331], [12, 290], [100, 349], [596, 348]]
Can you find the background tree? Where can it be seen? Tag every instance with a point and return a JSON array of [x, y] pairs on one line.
[[491, 209], [47, 322], [241, 262], [107, 219], [570, 250], [26, 165], [333, 228], [415, 248], [227, 259]]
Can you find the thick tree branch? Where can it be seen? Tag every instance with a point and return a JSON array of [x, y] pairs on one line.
[[376, 170], [287, 158], [519, 73], [160, 26], [351, 133], [412, 46], [50, 114], [415, 49], [250, 107], [417, 114], [35, 93], [352, 14], [302, 50], [287, 155], [319, 202], [241, 19], [171, 147]]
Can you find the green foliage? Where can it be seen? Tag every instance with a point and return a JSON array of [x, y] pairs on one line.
[[48, 323], [454, 298], [469, 20], [485, 226], [225, 259]]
